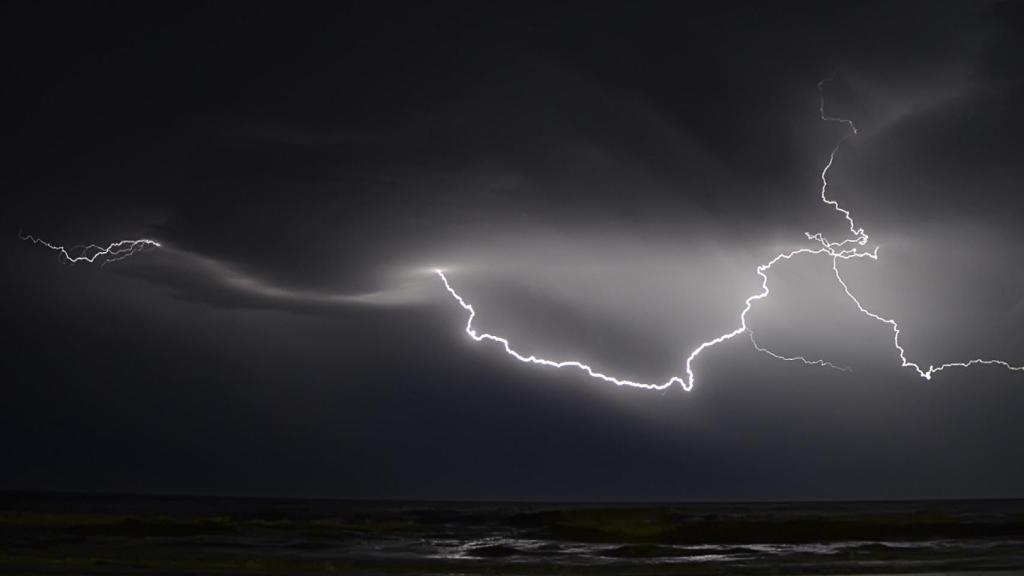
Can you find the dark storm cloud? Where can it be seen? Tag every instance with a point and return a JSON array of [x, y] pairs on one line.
[[599, 181], [201, 279]]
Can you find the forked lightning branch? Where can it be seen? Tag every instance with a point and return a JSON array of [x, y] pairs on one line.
[[850, 247]]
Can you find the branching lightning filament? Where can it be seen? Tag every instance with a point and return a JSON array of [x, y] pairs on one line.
[[853, 246], [90, 253]]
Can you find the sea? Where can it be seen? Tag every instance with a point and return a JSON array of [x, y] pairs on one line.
[[58, 533]]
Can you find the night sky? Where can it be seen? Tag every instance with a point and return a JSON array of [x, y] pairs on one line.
[[600, 182]]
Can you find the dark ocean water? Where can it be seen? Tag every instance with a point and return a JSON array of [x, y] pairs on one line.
[[96, 534]]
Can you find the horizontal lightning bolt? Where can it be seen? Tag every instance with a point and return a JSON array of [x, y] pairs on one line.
[[89, 253], [835, 250], [543, 362], [687, 383], [926, 374], [803, 359], [846, 249]]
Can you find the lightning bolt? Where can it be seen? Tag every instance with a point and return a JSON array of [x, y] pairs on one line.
[[849, 248], [480, 337], [90, 253], [926, 374], [823, 363]]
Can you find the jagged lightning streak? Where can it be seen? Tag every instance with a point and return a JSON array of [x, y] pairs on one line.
[[836, 250], [859, 237], [686, 383], [926, 374], [846, 249], [543, 362], [89, 253], [805, 360]]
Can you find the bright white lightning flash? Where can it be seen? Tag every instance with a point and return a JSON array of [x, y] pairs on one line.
[[848, 248], [89, 253]]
